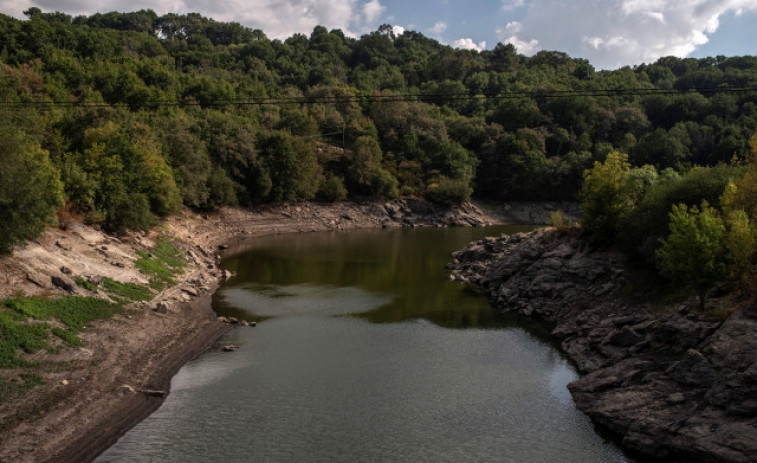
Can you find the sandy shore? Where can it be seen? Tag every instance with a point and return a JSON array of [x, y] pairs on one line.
[[110, 384]]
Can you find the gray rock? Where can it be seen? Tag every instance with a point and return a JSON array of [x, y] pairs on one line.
[[626, 337], [63, 282]]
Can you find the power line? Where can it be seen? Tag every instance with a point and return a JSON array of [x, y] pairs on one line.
[[388, 98]]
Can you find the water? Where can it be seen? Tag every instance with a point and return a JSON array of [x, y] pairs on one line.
[[365, 352]]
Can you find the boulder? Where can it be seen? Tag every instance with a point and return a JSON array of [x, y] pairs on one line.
[[63, 282]]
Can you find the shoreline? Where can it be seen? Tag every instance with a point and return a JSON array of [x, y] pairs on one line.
[[83, 409], [669, 381]]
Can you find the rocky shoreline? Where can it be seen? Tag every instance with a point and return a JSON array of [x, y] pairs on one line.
[[671, 382], [124, 369]]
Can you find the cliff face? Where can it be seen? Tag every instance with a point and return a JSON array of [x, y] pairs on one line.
[[672, 382]]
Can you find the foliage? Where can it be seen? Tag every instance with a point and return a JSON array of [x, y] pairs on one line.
[[164, 119], [132, 291], [163, 263], [645, 224], [331, 188], [19, 333], [694, 253], [448, 191], [31, 189], [604, 196]]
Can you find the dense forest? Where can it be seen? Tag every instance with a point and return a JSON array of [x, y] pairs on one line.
[[123, 118]]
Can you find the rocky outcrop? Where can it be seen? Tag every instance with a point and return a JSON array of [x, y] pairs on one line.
[[672, 383]]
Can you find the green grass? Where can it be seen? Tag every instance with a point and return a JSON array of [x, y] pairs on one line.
[[18, 332], [162, 263], [14, 336], [68, 336], [73, 311], [132, 291], [82, 283]]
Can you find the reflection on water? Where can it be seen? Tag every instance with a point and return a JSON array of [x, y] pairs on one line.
[[366, 352]]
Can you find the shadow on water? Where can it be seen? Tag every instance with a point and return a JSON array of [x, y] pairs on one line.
[[407, 266]]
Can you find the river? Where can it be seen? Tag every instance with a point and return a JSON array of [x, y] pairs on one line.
[[365, 352]]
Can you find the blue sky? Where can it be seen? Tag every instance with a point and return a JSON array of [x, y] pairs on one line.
[[609, 33]]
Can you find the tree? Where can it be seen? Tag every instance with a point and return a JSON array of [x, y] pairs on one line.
[[605, 196], [31, 189], [694, 253]]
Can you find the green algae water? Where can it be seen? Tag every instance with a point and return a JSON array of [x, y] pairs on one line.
[[365, 352]]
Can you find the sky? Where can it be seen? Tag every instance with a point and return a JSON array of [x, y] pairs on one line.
[[609, 33]]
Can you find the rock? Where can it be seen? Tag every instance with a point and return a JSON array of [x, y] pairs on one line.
[[693, 370], [223, 319], [64, 382], [253, 324], [65, 270], [230, 348], [191, 291], [223, 247], [63, 282], [233, 320], [243, 323], [675, 398], [626, 337], [43, 281], [162, 307]]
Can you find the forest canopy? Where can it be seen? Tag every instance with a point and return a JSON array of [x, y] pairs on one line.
[[137, 114]]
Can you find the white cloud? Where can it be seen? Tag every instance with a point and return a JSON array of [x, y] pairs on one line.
[[469, 44], [510, 35], [277, 18], [438, 28], [613, 33], [508, 5], [398, 30], [372, 11]]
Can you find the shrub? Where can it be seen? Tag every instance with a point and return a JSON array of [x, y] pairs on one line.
[[332, 188], [605, 197], [694, 253], [449, 192], [31, 189]]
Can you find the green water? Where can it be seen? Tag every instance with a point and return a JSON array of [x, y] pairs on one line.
[[365, 351]]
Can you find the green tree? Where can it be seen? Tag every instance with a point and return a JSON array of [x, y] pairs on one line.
[[31, 189], [605, 196], [694, 253]]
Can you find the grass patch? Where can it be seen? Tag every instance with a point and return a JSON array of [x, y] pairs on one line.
[[132, 291], [29, 337], [83, 283], [162, 263], [18, 332], [72, 311], [68, 336]]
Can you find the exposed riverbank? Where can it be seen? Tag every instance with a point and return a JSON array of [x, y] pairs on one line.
[[672, 382], [83, 406]]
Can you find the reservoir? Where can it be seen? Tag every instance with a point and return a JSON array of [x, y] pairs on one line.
[[364, 351]]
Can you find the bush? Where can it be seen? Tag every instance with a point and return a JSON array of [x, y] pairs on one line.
[[31, 189], [694, 254], [605, 197], [643, 227], [449, 192], [332, 188]]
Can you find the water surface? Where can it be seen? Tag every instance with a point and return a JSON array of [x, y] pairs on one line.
[[365, 352]]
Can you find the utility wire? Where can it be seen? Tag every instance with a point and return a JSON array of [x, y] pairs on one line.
[[386, 98]]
